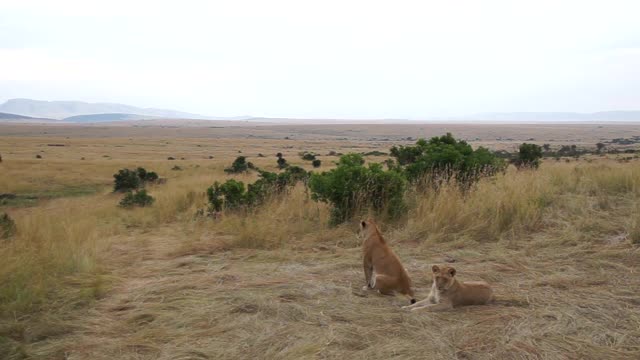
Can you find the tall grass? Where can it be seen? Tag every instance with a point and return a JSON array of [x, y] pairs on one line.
[[70, 237]]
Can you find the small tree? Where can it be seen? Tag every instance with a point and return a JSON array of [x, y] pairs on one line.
[[529, 156], [316, 163], [600, 147], [546, 147], [239, 165]]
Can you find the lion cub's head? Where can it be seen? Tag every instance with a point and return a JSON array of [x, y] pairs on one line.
[[443, 276]]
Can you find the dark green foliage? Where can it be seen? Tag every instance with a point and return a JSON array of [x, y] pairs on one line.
[[239, 165], [375, 153], [308, 156], [282, 162], [231, 194], [7, 226], [529, 156], [228, 195], [171, 158], [316, 163], [137, 198], [600, 147], [353, 187], [445, 157], [147, 176], [127, 180]]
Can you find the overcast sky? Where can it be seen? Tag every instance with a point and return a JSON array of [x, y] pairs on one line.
[[336, 59]]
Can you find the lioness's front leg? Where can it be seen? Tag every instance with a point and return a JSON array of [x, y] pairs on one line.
[[443, 306], [368, 271]]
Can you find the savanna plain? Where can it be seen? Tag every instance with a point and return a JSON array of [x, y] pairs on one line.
[[83, 278]]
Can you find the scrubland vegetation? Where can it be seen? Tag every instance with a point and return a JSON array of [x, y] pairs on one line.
[[279, 276]]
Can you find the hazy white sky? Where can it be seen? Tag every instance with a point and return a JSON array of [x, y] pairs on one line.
[[338, 59]]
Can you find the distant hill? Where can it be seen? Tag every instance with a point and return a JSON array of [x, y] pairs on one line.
[[6, 117], [90, 118], [66, 109]]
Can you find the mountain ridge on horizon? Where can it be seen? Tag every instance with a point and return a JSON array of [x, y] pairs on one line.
[[85, 112], [61, 110]]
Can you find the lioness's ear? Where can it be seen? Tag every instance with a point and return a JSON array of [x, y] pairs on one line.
[[452, 271], [435, 268]]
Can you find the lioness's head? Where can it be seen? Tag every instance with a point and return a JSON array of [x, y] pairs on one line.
[[366, 226], [443, 276]]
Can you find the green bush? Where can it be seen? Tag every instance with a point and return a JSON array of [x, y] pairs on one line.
[[308, 156], [529, 156], [282, 162], [128, 180], [7, 226], [445, 157], [138, 198], [352, 187], [232, 194], [239, 165], [316, 163]]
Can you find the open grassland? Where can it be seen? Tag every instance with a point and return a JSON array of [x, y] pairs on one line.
[[84, 279]]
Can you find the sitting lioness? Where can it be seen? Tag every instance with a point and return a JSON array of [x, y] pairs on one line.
[[447, 292], [382, 268]]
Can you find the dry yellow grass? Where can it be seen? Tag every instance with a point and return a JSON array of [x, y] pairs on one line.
[[84, 279]]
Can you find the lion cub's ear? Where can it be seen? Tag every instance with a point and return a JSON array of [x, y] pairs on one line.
[[452, 271], [435, 268]]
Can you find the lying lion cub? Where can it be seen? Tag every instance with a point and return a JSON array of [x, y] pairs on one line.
[[447, 292], [382, 268]]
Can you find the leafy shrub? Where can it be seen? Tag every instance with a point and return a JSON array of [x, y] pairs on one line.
[[229, 195], [375, 153], [352, 187], [239, 165], [529, 156], [171, 158], [38, 156], [7, 226], [308, 156], [138, 198], [147, 176], [232, 194], [316, 163], [128, 180], [282, 162], [445, 157]]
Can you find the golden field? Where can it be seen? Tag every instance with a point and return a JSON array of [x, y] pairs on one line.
[[84, 279]]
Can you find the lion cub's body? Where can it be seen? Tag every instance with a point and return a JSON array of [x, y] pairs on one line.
[[447, 292], [382, 268]]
